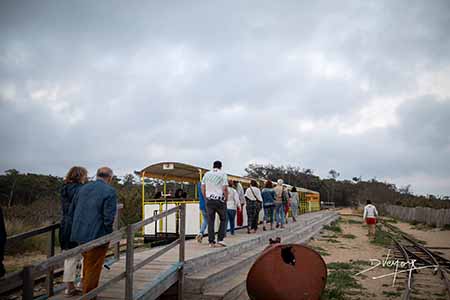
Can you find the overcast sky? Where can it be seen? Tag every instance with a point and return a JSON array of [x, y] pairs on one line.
[[362, 87]]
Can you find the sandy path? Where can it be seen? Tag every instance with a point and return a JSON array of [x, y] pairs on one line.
[[359, 249], [341, 249]]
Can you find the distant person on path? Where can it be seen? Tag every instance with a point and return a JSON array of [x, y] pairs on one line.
[[370, 216], [75, 178], [294, 204], [254, 205], [202, 207], [93, 210], [279, 203], [215, 192], [233, 203], [268, 196], [2, 243]]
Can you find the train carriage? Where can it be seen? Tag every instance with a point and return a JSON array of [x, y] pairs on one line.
[[189, 176]]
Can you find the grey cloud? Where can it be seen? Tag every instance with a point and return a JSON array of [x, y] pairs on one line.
[[128, 84]]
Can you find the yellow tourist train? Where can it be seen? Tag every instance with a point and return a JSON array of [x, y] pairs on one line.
[[187, 177]]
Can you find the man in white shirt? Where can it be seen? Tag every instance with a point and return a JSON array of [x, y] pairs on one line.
[[370, 217], [215, 192]]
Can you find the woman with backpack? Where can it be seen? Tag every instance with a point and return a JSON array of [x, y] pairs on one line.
[[280, 201], [254, 204]]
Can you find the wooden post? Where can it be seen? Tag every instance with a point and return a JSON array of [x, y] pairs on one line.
[[50, 253], [181, 253], [28, 283], [116, 227], [129, 264]]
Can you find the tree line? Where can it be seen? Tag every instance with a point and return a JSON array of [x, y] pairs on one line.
[[346, 192], [34, 198]]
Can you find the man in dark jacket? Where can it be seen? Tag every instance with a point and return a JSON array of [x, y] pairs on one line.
[[93, 212]]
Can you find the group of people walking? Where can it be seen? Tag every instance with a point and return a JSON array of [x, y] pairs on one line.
[[226, 198], [88, 212]]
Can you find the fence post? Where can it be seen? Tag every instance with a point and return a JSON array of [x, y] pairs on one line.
[[50, 253], [115, 228], [129, 264], [182, 249], [28, 283]]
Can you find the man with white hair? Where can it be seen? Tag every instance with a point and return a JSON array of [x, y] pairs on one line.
[[92, 212], [279, 203]]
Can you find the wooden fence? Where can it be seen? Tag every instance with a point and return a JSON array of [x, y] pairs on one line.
[[425, 215], [30, 272]]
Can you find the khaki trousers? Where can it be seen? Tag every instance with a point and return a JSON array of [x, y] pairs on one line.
[[92, 267]]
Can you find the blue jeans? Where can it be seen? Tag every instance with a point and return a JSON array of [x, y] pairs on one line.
[[279, 213], [231, 216], [268, 214], [294, 209], [204, 222]]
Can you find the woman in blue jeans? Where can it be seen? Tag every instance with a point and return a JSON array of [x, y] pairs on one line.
[[268, 196], [233, 203], [202, 207]]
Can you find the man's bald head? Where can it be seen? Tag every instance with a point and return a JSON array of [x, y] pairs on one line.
[[105, 173]]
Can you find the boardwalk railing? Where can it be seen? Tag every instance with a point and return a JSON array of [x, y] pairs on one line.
[[32, 271], [15, 280]]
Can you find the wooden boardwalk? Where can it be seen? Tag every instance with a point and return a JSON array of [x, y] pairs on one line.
[[155, 278]]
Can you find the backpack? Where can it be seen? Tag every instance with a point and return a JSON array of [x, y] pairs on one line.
[[284, 197]]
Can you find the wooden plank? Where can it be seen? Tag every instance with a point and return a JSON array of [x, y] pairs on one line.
[[156, 255], [129, 264], [158, 286], [101, 288], [182, 251]]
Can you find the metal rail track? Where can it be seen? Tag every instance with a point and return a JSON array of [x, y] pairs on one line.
[[423, 260]]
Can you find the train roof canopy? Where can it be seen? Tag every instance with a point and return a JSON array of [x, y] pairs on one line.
[[180, 172]]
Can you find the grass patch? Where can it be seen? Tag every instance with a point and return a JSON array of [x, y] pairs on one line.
[[330, 236], [334, 241], [361, 262], [340, 282], [445, 227], [351, 221], [349, 236], [393, 221], [339, 266], [320, 250], [333, 227], [390, 294], [381, 238]]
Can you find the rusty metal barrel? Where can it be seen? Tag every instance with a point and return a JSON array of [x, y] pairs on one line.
[[287, 271]]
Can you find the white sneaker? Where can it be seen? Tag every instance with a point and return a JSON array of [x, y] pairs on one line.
[[212, 245], [221, 243]]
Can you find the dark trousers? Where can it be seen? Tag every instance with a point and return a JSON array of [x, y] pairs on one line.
[[253, 208], [231, 214], [219, 207]]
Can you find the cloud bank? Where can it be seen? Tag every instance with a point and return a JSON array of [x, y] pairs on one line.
[[361, 87]]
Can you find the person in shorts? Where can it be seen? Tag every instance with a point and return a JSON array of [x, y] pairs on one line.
[[370, 217]]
